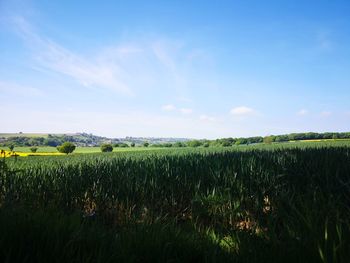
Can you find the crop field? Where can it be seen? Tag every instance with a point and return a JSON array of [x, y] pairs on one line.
[[48, 149], [263, 203]]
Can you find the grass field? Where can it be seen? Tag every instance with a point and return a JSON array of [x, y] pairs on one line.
[[285, 202], [48, 149], [7, 135], [305, 143]]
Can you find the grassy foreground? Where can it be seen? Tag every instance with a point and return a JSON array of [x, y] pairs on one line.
[[267, 203]]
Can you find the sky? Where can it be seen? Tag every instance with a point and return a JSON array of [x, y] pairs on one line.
[[195, 69]]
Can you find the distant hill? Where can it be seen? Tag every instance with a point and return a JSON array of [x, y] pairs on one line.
[[85, 139], [80, 139]]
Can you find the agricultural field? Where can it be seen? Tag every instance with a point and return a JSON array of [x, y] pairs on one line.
[[48, 149], [264, 203]]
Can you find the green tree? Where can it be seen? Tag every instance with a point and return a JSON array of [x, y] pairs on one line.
[[179, 144], [132, 144], [66, 147], [106, 147], [268, 139], [194, 143], [11, 147], [146, 144], [33, 149]]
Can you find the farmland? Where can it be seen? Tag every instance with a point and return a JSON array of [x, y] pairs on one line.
[[265, 203], [48, 149]]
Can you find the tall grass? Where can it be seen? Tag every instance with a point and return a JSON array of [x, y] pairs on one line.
[[253, 204]]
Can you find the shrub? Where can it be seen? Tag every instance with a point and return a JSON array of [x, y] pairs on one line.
[[33, 149], [106, 147], [194, 143], [66, 147]]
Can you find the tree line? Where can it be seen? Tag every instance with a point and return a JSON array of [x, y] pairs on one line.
[[55, 140]]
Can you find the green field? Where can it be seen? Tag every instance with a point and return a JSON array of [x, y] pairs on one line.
[[48, 149], [7, 135], [261, 203], [299, 144]]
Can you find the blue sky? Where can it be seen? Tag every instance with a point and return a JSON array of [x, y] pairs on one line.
[[199, 69]]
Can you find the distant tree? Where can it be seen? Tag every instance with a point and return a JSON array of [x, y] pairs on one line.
[[194, 143], [33, 149], [121, 144], [146, 144], [225, 143], [179, 144], [206, 144], [268, 139], [66, 147], [106, 147], [11, 147], [52, 142], [132, 144]]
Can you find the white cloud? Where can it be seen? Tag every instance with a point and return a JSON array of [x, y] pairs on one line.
[[168, 107], [302, 112], [204, 117], [130, 68], [242, 111], [186, 111], [89, 72]]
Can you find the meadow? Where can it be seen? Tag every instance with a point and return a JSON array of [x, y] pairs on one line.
[[285, 202]]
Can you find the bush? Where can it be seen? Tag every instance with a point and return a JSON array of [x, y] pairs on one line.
[[106, 147], [33, 149], [121, 144], [66, 148], [132, 144], [194, 143], [146, 144], [179, 144]]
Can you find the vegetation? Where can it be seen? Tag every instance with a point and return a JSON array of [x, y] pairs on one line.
[[66, 148], [263, 203], [122, 145], [84, 139], [33, 149], [106, 147]]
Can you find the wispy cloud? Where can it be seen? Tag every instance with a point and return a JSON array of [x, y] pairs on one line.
[[205, 117], [242, 111], [19, 89], [87, 72], [168, 107], [302, 112], [171, 107], [186, 110]]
